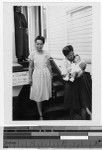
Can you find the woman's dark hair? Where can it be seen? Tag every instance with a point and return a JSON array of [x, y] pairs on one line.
[[67, 49], [40, 38], [76, 55]]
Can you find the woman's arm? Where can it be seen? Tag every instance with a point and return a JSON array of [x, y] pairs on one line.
[[80, 73], [49, 66], [31, 68]]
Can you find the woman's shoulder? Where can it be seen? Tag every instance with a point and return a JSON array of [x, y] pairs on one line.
[[31, 55], [47, 54]]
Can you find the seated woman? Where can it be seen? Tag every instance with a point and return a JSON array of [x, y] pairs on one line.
[[77, 95]]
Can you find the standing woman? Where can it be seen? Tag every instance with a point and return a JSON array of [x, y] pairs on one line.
[[40, 75]]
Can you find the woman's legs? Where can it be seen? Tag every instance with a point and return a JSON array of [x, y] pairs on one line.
[[39, 106]]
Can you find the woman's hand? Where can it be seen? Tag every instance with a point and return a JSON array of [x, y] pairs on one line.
[[80, 74], [30, 82]]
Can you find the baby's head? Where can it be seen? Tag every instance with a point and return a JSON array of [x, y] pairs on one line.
[[77, 58]]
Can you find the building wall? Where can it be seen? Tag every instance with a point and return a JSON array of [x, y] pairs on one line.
[[80, 31], [9, 31], [33, 27], [58, 27], [56, 30], [70, 25]]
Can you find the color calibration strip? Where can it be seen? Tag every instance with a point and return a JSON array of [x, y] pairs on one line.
[[52, 137]]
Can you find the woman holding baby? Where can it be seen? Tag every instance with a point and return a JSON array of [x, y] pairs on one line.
[[76, 95]]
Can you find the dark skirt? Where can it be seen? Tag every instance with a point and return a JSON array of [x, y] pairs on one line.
[[78, 94]]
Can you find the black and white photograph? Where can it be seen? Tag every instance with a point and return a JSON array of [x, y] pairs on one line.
[[50, 74], [52, 63]]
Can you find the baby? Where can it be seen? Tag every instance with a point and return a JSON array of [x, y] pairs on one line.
[[77, 68]]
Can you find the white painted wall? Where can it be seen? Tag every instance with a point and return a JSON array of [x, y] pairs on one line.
[[80, 31], [59, 26], [31, 27], [56, 29]]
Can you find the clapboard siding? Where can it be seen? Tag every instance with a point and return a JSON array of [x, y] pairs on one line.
[[80, 31], [82, 12], [56, 30]]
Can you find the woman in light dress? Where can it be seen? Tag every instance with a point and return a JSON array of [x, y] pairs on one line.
[[40, 75]]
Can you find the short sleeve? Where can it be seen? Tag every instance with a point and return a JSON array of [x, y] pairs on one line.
[[47, 55], [31, 56]]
